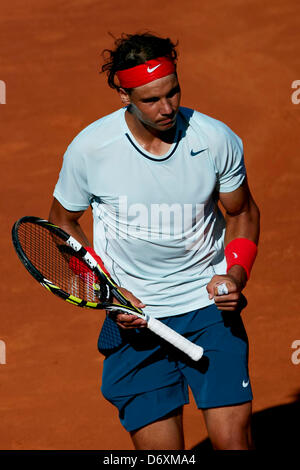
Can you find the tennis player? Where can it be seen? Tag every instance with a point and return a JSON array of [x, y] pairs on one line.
[[157, 176]]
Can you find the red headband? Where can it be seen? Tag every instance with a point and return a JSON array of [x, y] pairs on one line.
[[146, 73]]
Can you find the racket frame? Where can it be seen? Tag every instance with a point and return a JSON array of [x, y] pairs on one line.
[[193, 350]]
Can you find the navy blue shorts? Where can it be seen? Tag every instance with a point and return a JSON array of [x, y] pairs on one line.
[[146, 378]]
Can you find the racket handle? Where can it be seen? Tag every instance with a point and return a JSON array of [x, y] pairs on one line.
[[194, 351]]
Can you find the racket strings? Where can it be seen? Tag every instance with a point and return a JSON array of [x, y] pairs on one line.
[[58, 263]]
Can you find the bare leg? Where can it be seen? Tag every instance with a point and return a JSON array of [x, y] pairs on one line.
[[229, 428], [164, 434]]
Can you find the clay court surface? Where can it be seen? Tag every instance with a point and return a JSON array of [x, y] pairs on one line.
[[237, 62]]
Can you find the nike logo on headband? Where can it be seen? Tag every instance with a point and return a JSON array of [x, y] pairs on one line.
[[150, 70]]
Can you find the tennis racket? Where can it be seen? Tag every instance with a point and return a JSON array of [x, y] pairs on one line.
[[65, 268]]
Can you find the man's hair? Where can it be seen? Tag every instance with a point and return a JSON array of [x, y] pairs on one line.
[[135, 49]]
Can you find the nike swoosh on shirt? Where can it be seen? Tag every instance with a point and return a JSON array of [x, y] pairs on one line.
[[193, 154], [150, 70]]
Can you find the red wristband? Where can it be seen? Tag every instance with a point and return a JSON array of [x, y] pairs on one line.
[[241, 251], [92, 252]]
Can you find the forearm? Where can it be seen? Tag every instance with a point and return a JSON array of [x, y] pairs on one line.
[[242, 222], [68, 221], [243, 225], [75, 229]]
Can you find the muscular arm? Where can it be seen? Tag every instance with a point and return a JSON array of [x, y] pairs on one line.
[[68, 221], [242, 214], [242, 221]]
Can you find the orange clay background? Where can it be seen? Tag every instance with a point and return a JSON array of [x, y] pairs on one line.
[[237, 62]]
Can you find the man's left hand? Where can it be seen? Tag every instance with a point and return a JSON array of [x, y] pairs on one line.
[[235, 281]]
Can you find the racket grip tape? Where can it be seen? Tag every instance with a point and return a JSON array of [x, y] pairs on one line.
[[194, 351]]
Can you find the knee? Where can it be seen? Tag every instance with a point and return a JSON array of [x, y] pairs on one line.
[[232, 439]]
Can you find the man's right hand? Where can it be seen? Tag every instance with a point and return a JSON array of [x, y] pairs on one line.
[[126, 321]]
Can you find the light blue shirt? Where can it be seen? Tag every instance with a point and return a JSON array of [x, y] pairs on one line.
[[157, 225]]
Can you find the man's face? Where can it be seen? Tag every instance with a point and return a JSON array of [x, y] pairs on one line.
[[156, 104]]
